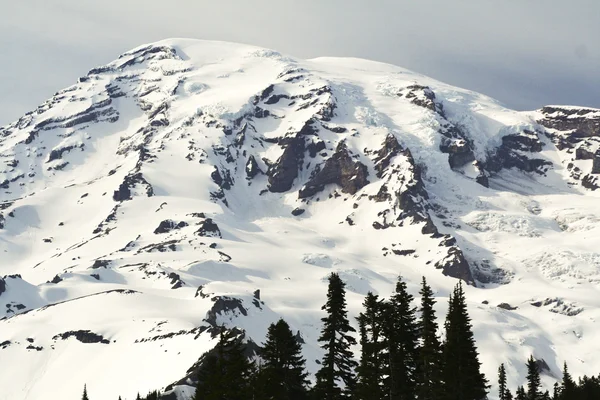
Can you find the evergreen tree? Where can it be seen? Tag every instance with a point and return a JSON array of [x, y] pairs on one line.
[[502, 389], [85, 395], [545, 395], [225, 373], [284, 371], [568, 390], [430, 352], [521, 395], [402, 344], [370, 372], [462, 377], [533, 380], [556, 391], [337, 366], [508, 395]]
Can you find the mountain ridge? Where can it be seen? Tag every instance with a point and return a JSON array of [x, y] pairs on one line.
[[175, 181]]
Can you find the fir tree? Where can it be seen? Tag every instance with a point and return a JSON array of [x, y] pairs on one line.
[[284, 372], [545, 395], [337, 366], [568, 390], [533, 380], [85, 395], [225, 373], [502, 389], [521, 395], [430, 352], [402, 343], [370, 371], [462, 377], [556, 391]]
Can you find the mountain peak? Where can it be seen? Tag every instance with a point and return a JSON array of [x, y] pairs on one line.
[[145, 204]]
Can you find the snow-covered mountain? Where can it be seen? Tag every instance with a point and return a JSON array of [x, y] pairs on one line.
[[192, 183]]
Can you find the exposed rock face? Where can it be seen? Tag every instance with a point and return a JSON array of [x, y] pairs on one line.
[[459, 151], [84, 336], [100, 264], [283, 172], [168, 225], [596, 163], [339, 169], [559, 306], [513, 153], [224, 304], [583, 122], [223, 179], [422, 96], [412, 200], [131, 181], [456, 266], [2, 285], [576, 128], [252, 168], [390, 149], [208, 228]]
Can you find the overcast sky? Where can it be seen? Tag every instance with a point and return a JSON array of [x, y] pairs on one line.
[[526, 53]]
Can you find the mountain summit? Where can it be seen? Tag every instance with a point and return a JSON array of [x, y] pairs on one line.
[[190, 184]]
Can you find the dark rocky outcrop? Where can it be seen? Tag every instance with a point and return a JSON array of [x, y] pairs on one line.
[[84, 336], [575, 128], [506, 306], [596, 163], [2, 285], [57, 279], [297, 211], [176, 281], [422, 96], [390, 149], [315, 147], [459, 151], [252, 168], [513, 154], [223, 304], [130, 181], [169, 225], [284, 171], [100, 264], [559, 306], [590, 182], [339, 169], [412, 200], [456, 266], [583, 122], [57, 153], [208, 228], [222, 178]]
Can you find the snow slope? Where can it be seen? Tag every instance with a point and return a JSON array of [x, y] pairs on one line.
[[145, 205]]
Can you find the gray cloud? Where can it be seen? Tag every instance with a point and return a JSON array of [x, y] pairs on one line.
[[526, 53]]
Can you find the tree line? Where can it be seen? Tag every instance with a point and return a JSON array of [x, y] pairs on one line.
[[401, 358], [587, 388]]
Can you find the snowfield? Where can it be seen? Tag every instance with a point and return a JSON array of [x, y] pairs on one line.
[[147, 203]]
